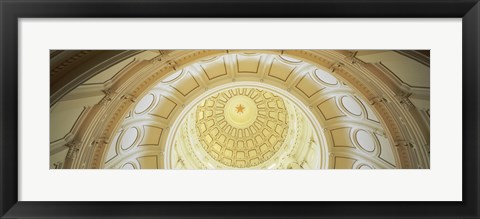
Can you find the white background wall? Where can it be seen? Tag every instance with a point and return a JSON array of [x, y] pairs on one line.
[[441, 182]]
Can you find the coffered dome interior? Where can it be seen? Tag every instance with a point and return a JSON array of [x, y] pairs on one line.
[[229, 109], [243, 127]]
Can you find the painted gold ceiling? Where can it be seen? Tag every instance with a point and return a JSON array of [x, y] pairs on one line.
[[345, 110], [242, 127]]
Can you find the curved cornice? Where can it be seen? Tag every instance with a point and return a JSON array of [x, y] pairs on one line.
[[69, 69], [381, 94]]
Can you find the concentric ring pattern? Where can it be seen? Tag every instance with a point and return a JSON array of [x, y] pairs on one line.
[[242, 127]]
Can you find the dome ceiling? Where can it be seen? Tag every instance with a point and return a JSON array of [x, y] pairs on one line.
[[184, 102], [158, 109], [242, 127]]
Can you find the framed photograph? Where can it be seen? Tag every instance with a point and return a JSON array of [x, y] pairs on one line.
[[239, 109]]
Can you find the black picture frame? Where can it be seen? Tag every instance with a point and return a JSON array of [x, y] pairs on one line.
[[12, 10]]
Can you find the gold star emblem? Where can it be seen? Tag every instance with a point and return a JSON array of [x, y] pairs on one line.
[[240, 108]]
